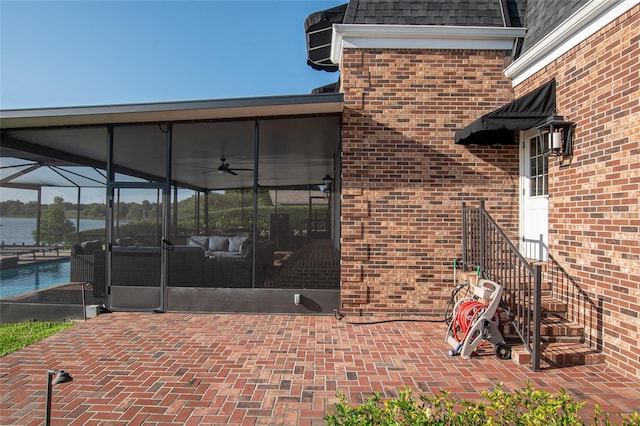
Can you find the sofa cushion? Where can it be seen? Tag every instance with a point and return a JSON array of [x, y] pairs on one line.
[[246, 250], [218, 243], [198, 241], [214, 254], [236, 242]]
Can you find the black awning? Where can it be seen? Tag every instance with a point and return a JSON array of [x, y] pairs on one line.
[[526, 112], [317, 27]]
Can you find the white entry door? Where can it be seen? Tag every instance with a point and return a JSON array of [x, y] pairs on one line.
[[534, 197]]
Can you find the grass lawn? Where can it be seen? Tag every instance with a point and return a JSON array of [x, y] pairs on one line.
[[17, 336]]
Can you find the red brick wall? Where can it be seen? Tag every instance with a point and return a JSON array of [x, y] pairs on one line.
[[404, 179], [594, 213]]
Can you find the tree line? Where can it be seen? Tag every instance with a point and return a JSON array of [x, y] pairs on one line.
[[16, 208], [127, 211], [227, 210], [133, 210]]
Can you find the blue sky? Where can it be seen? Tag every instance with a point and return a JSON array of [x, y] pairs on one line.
[[72, 53]]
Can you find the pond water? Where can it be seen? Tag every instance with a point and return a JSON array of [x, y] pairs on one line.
[[18, 230]]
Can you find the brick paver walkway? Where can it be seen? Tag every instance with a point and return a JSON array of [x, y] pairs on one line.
[[195, 369]]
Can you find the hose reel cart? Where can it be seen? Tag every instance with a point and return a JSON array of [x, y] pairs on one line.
[[475, 320]]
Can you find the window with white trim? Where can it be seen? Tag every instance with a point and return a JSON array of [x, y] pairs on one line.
[[538, 168]]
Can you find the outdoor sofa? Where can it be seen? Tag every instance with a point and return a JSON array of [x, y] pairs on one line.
[[193, 265]]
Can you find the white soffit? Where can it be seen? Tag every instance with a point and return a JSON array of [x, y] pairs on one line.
[[421, 37], [589, 19]]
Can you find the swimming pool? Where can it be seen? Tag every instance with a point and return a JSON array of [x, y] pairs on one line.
[[29, 278]]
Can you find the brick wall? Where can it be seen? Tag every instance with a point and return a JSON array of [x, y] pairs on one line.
[[404, 179], [594, 213]]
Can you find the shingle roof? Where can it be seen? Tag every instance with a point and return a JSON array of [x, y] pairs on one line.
[[434, 12], [538, 16], [543, 15]]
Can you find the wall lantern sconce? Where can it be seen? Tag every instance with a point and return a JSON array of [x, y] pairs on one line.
[[327, 182], [61, 376], [559, 134]]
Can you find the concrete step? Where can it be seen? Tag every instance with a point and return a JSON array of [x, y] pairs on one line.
[[556, 329], [550, 306], [562, 340], [550, 333], [560, 355], [552, 330]]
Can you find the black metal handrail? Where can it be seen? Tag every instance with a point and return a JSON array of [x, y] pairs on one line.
[[581, 308], [486, 246]]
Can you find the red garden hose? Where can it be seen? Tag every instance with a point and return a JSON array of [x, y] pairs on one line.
[[464, 318]]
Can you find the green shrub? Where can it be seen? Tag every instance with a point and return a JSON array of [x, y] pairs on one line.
[[526, 407]]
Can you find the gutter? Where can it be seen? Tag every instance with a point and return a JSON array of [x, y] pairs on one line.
[[421, 37]]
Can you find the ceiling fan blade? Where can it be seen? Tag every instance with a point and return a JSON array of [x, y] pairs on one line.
[[226, 167]]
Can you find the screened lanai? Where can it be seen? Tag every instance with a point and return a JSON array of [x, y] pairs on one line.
[[222, 205]]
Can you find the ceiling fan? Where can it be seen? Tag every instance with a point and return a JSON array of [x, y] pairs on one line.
[[224, 167]]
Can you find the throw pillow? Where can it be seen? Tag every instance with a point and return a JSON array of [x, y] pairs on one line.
[[218, 243], [198, 241], [236, 242]]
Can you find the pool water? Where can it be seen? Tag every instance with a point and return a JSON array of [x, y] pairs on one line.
[[30, 278]]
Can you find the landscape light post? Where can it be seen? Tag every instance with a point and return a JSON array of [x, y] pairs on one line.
[[61, 377]]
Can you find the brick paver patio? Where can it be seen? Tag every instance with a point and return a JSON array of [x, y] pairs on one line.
[[195, 369]]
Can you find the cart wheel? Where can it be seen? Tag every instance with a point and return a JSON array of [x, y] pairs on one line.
[[503, 351]]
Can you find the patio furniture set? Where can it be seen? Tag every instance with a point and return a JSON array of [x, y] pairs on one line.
[[205, 261]]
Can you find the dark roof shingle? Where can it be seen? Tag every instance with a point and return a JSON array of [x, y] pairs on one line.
[[430, 12], [538, 16], [542, 16]]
